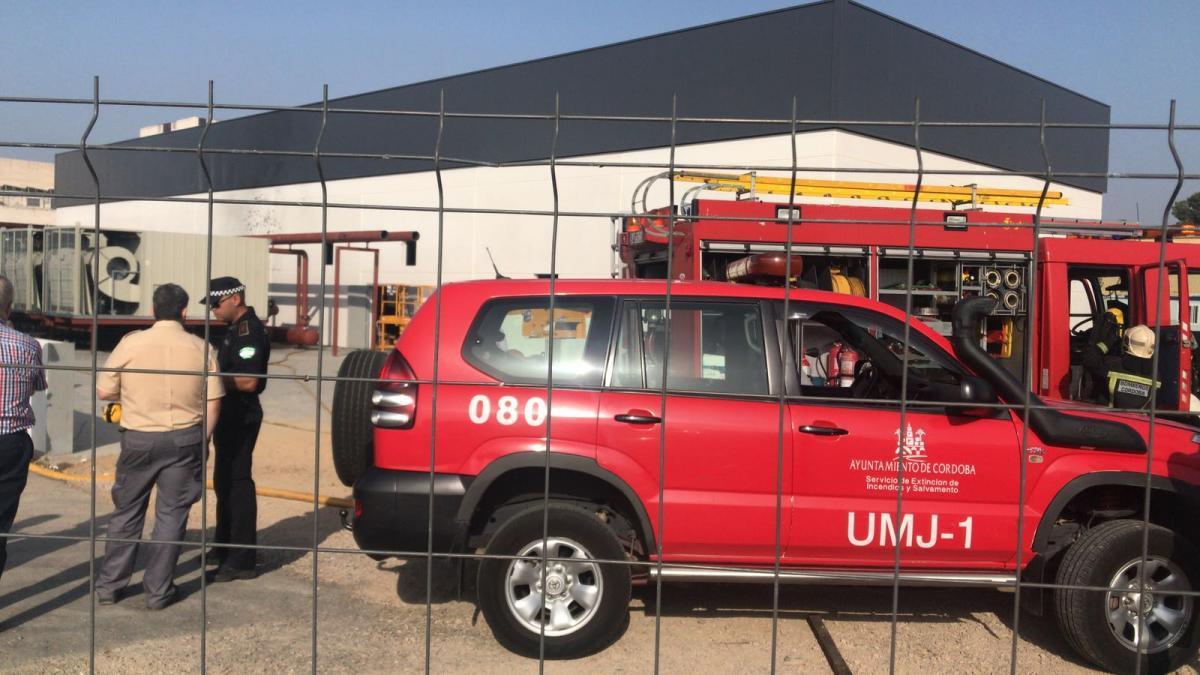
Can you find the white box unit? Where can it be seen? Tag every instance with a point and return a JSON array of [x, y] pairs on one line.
[[56, 268], [180, 258], [62, 271], [17, 265], [154, 129], [187, 123]]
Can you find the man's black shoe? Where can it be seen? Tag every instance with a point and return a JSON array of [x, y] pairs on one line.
[[104, 597], [231, 574]]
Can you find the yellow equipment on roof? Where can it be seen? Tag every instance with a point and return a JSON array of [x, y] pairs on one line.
[[750, 183]]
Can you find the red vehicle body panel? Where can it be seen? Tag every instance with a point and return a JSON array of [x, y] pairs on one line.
[[838, 501], [983, 233], [1056, 256]]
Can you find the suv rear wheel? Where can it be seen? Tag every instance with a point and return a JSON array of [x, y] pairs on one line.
[[581, 605], [1158, 618]]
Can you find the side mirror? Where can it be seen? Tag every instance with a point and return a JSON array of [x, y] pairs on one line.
[[976, 390]]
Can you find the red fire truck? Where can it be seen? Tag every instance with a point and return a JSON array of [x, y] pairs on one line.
[[1082, 272]]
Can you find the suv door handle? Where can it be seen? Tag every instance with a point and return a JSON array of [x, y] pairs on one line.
[[822, 431], [637, 417]]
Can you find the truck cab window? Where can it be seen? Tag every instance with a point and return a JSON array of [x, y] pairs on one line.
[[1100, 309]]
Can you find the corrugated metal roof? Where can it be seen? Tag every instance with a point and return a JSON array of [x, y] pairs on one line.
[[841, 61]]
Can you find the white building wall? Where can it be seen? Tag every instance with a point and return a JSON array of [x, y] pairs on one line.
[[37, 177], [519, 243]]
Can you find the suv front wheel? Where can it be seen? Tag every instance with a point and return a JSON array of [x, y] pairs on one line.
[[554, 584], [1155, 616]]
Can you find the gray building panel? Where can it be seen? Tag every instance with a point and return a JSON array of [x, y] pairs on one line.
[[956, 84], [840, 61]]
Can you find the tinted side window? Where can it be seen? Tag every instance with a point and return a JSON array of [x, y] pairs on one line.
[[850, 353], [714, 347], [510, 340]]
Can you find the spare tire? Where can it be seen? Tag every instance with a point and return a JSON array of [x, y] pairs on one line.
[[353, 435]]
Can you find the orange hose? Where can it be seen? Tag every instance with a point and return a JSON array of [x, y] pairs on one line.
[[275, 493]]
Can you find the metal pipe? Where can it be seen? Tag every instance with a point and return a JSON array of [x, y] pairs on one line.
[[374, 299], [337, 277], [337, 287], [350, 237], [301, 282]]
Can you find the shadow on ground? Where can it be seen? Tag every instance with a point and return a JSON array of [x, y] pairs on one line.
[[448, 583], [73, 583], [296, 531], [865, 604]]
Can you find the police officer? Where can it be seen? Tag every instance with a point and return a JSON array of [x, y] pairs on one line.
[[1122, 370], [244, 353]]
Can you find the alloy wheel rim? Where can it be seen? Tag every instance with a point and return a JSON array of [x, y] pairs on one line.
[[1153, 617], [563, 597]]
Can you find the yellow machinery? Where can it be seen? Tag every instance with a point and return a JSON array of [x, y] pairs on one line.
[[395, 305], [750, 183], [568, 323]]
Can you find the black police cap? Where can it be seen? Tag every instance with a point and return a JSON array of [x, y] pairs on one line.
[[221, 287]]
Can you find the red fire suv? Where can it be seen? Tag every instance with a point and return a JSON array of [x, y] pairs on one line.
[[701, 419]]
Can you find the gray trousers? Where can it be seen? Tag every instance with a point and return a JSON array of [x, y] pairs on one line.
[[172, 461]]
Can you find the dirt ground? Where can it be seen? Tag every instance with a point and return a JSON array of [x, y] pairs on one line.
[[372, 616]]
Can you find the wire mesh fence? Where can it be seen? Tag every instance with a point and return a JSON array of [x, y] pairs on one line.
[[553, 596]]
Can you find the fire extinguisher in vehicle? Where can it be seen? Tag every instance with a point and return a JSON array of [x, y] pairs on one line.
[[831, 364], [847, 361]]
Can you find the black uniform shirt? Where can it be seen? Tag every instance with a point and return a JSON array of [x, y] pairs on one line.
[[246, 350]]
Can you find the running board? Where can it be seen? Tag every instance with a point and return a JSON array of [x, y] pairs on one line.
[[745, 575]]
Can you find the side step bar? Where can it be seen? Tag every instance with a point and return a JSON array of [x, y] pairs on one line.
[[748, 575]]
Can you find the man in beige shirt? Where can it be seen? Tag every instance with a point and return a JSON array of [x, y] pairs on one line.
[[162, 444]]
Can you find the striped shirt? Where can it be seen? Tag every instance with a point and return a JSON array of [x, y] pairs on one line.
[[17, 384]]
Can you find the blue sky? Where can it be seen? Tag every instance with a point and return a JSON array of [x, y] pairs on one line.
[[1134, 56]]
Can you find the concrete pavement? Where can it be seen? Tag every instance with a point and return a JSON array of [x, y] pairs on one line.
[[262, 624]]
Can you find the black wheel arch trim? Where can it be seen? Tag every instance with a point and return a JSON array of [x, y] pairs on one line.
[[1119, 478], [562, 462]]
